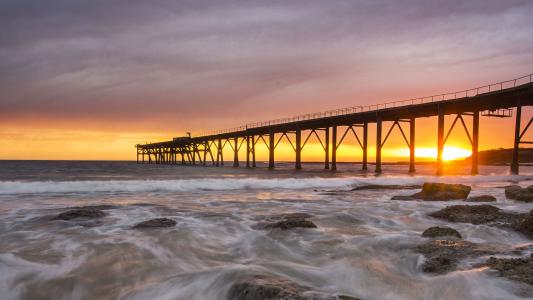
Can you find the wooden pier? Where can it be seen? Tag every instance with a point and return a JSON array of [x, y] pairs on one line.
[[498, 100]]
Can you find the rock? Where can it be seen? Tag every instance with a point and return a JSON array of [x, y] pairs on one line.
[[515, 192], [288, 221], [525, 226], [387, 187], [476, 214], [403, 198], [517, 269], [267, 287], [482, 198], [442, 192], [98, 207], [443, 255], [80, 213], [155, 223], [440, 232]]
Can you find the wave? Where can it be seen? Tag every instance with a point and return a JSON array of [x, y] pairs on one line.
[[215, 184]]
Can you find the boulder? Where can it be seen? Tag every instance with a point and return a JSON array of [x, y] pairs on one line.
[[476, 214], [517, 269], [268, 287], [287, 221], [387, 187], [155, 223], [525, 226], [515, 192], [442, 256], [481, 198], [403, 198], [80, 213], [432, 191], [437, 231]]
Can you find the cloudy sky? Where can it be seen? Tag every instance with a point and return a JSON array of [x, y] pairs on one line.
[[107, 74]]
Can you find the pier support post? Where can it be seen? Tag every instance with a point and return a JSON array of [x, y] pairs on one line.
[[236, 153], [378, 144], [248, 150], [205, 154], [326, 159], [298, 149], [365, 146], [440, 141], [412, 145], [333, 148], [475, 142], [271, 150], [516, 144], [253, 152]]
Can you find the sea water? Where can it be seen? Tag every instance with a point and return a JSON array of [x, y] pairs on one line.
[[363, 245]]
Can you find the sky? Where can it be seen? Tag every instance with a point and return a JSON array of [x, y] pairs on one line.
[[90, 79]]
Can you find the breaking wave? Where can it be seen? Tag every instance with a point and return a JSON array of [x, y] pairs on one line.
[[214, 184]]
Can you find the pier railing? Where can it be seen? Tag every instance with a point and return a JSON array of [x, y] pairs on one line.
[[374, 107]]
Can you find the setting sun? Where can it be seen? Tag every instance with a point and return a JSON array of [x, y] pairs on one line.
[[449, 153]]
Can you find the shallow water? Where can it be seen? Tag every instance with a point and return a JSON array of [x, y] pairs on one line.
[[362, 246]]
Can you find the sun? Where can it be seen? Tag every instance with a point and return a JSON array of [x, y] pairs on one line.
[[449, 153]]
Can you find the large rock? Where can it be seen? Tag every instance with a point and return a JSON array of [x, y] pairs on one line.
[[518, 269], [442, 256], [432, 191], [437, 231], [515, 192], [80, 213], [476, 214], [287, 221], [481, 198], [387, 187], [155, 223], [525, 226], [267, 287]]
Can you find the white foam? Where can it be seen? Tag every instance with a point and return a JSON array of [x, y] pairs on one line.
[[220, 184]]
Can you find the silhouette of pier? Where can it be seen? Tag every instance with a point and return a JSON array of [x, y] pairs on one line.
[[499, 100]]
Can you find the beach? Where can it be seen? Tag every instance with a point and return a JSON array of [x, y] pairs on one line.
[[364, 244]]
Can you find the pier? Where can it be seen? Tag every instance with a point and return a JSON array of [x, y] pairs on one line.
[[500, 100]]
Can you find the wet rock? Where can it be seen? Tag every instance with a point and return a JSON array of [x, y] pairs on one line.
[[98, 207], [287, 221], [267, 287], [432, 191], [387, 187], [481, 198], [517, 269], [80, 213], [477, 214], [525, 226], [515, 192], [155, 223], [440, 232], [403, 198], [442, 256]]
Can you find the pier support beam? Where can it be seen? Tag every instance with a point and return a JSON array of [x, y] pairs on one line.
[[440, 141], [298, 149], [248, 150], [378, 144], [271, 150], [365, 146], [236, 153], [333, 148], [516, 144], [253, 152], [326, 159], [475, 142], [412, 145]]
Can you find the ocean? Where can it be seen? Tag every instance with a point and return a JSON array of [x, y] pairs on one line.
[[362, 246]]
